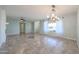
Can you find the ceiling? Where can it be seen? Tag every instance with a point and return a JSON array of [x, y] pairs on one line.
[[37, 11]]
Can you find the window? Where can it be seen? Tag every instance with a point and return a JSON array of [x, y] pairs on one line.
[[54, 27]]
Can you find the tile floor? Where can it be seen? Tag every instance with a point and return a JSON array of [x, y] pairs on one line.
[[39, 44]]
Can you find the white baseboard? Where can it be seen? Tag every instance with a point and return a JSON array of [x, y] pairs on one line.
[[58, 35], [12, 34], [69, 38]]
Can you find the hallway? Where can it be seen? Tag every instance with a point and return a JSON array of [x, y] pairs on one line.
[[40, 44]]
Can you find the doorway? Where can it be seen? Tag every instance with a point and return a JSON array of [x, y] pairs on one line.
[[22, 27]]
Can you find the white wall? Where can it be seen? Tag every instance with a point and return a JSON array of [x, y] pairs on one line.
[[41, 26], [2, 26], [13, 26], [78, 28], [70, 25], [28, 27], [36, 26]]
